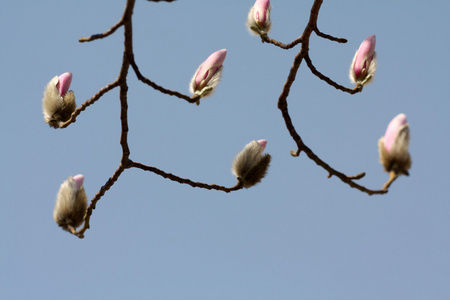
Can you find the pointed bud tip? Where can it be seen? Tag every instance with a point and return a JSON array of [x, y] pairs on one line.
[[79, 179], [208, 70], [64, 81], [262, 143], [393, 129]]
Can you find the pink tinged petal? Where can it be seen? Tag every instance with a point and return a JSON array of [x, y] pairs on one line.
[[364, 56], [260, 11], [210, 67], [392, 131], [64, 82], [263, 144], [79, 179]]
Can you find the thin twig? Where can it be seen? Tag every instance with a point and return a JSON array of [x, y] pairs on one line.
[[266, 39], [392, 176], [102, 35], [160, 88], [88, 102], [283, 106], [100, 193], [329, 37], [178, 179], [356, 89]]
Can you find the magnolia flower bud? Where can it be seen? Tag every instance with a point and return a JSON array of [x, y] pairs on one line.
[[58, 103], [258, 20], [393, 147], [364, 62], [208, 74], [71, 203], [249, 165]]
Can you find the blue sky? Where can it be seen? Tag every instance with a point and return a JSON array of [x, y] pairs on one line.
[[296, 235]]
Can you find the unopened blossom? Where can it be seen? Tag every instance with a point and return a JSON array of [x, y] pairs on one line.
[[71, 203], [394, 146], [58, 103], [258, 20], [364, 64], [208, 74], [250, 165]]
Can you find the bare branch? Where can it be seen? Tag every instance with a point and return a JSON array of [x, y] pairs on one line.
[[329, 37], [102, 35], [121, 81], [160, 88], [100, 193], [283, 105], [392, 176], [266, 39], [172, 177], [88, 102], [357, 89]]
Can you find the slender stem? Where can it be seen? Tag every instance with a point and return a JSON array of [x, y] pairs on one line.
[[178, 179], [102, 35], [283, 105], [329, 37], [392, 176], [160, 88], [266, 39], [88, 102], [92, 205], [356, 89]]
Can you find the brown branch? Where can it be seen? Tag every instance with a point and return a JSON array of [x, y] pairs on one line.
[[102, 35], [100, 193], [344, 178], [357, 89], [392, 176], [178, 179], [160, 88], [266, 39], [329, 37], [121, 81], [283, 106], [88, 102]]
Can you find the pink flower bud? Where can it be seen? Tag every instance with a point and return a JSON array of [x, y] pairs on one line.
[[263, 144], [364, 62], [58, 103], [394, 146], [208, 74], [393, 130], [79, 179], [258, 19], [249, 165], [71, 203], [64, 82]]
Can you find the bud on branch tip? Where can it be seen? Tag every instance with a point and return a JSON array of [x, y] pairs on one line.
[[208, 74], [250, 165], [364, 64], [258, 20], [394, 146], [58, 103], [71, 203]]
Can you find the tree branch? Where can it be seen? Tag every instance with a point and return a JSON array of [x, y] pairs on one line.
[[160, 88], [329, 37], [357, 89], [178, 179], [100, 193], [102, 35], [88, 102], [266, 39]]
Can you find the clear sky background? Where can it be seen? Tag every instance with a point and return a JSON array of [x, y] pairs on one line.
[[298, 234]]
